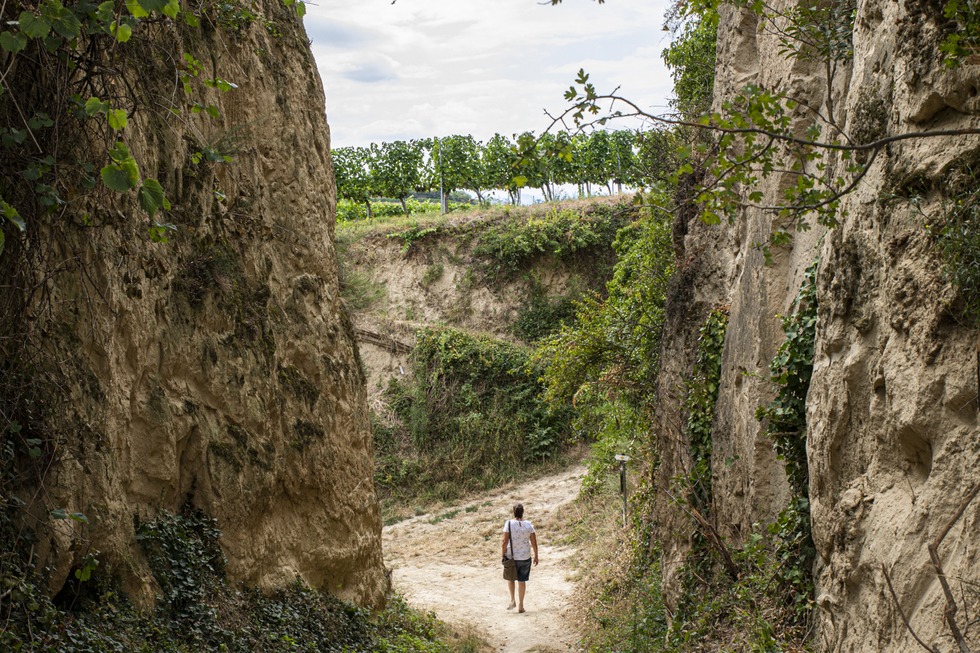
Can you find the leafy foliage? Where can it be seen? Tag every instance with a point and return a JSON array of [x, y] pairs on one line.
[[605, 363], [63, 63], [541, 316], [472, 418], [702, 392], [396, 169], [791, 370], [691, 59], [509, 246], [956, 235], [615, 345], [962, 42], [349, 211], [785, 420], [188, 565], [199, 611], [629, 609]]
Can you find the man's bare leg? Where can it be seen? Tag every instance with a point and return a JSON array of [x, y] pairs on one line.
[[510, 586], [522, 587]]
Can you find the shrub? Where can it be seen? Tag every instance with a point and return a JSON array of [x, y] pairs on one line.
[[511, 245], [473, 417]]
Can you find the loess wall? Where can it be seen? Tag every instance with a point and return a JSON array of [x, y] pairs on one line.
[[219, 370], [893, 442]]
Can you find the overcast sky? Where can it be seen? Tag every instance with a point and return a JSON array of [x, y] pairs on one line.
[[424, 68]]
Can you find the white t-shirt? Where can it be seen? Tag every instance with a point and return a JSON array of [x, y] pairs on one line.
[[520, 538]]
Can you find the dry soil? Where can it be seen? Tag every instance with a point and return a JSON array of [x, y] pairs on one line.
[[448, 561]]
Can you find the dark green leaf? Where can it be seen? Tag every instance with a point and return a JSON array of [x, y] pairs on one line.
[[33, 26], [151, 196], [12, 42], [118, 177], [95, 106]]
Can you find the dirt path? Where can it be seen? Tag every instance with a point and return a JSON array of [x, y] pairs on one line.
[[449, 562]]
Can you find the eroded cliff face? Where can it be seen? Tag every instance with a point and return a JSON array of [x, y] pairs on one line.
[[892, 407], [218, 370]]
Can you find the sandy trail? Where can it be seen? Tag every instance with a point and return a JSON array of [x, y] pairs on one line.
[[448, 561]]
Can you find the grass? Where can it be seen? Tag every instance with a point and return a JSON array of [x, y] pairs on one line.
[[444, 516], [353, 231]]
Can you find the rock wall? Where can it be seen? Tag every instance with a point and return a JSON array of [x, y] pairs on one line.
[[218, 370], [892, 408]]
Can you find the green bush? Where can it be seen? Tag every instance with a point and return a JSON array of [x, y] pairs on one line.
[[541, 316], [614, 344], [472, 417], [509, 246], [957, 239], [349, 211]]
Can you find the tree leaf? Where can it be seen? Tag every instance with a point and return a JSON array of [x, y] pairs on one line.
[[13, 215], [117, 119], [95, 106], [33, 26], [66, 23], [40, 120], [152, 197], [136, 10], [12, 42], [122, 32], [118, 178], [123, 175], [153, 5]]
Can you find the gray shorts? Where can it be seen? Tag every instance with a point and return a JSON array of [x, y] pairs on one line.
[[523, 570]]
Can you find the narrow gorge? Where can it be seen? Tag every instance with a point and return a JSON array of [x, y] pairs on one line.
[[212, 396]]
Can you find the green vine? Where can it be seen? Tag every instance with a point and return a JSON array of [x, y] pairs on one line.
[[198, 610], [702, 392], [791, 368], [956, 237], [785, 425]]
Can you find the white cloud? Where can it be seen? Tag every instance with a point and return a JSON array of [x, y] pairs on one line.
[[422, 68]]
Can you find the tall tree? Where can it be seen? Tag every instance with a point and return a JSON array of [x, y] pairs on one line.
[[499, 161], [622, 158], [457, 162], [354, 179], [397, 169]]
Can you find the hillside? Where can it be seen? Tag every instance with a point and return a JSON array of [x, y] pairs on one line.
[[512, 273], [463, 300]]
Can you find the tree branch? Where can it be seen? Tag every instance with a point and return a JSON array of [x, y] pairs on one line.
[[951, 608], [901, 612], [878, 144]]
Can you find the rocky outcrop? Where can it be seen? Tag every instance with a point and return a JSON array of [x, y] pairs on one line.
[[892, 407], [218, 370]]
